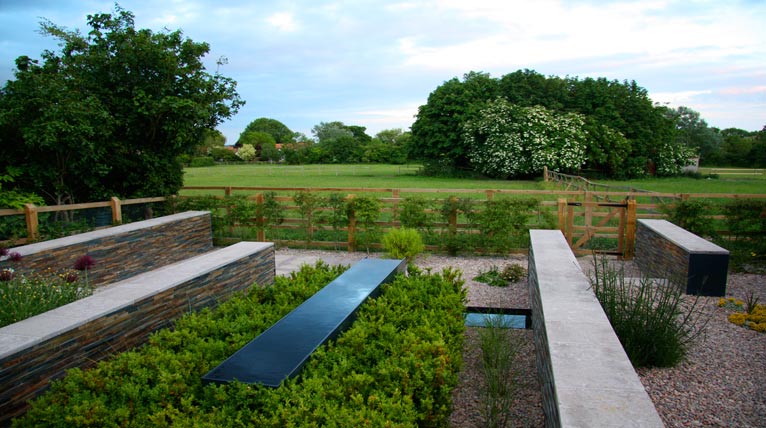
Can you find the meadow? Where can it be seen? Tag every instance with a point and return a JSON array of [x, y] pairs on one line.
[[405, 176]]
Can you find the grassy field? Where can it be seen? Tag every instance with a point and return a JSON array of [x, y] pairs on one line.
[[404, 177]]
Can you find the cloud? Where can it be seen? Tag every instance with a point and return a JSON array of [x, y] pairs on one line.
[[528, 34], [744, 90], [283, 21], [678, 98]]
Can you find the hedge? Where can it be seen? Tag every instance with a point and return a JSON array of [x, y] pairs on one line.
[[396, 366]]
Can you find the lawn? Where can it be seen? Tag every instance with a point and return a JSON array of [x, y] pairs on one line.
[[404, 177]]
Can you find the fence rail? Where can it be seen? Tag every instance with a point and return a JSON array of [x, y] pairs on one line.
[[583, 215]]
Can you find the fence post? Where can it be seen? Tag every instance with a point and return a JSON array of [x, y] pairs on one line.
[[227, 191], [453, 216], [562, 205], [351, 226], [116, 210], [570, 224], [545, 173], [490, 194], [630, 231], [30, 213], [395, 207], [261, 237]]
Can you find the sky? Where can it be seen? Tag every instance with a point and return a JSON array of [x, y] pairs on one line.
[[373, 62]]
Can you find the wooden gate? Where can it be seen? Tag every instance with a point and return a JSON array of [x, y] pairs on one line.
[[613, 222]]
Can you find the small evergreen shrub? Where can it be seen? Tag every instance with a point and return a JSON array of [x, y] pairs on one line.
[[202, 161], [395, 366], [403, 243]]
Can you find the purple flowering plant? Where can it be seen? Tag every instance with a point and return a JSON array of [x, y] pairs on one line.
[[23, 295]]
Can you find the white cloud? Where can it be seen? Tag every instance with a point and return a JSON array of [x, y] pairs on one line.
[[526, 34], [678, 98], [283, 21]]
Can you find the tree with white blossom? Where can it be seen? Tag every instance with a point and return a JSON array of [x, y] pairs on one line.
[[507, 140]]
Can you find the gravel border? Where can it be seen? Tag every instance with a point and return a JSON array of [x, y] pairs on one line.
[[721, 384]]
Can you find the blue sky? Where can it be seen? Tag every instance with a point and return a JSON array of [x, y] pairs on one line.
[[372, 63]]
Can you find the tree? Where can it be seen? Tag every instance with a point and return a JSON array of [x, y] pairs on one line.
[[111, 112], [330, 130], [211, 138], [246, 152], [278, 130], [257, 139], [622, 109], [507, 140], [692, 131], [736, 148], [438, 128]]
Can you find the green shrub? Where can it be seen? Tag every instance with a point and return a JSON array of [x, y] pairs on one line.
[[202, 161], [746, 223], [395, 366], [692, 215], [496, 278], [503, 223], [403, 243], [656, 323]]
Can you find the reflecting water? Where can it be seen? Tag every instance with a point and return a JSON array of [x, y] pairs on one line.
[[474, 319]]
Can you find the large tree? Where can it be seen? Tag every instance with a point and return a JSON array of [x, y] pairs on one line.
[[438, 130], [278, 130], [110, 113], [693, 132], [642, 132]]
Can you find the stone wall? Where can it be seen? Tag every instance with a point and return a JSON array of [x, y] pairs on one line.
[[133, 248], [586, 377], [664, 250], [119, 317]]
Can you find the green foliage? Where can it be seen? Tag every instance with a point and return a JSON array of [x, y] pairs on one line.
[[511, 273], [366, 210], [611, 109], [308, 206], [503, 223], [202, 161], [279, 132], [746, 223], [336, 217], [692, 215], [224, 155], [26, 295], [109, 114], [246, 152], [450, 211], [499, 348], [395, 366], [403, 243], [272, 212], [655, 323], [438, 129], [413, 214]]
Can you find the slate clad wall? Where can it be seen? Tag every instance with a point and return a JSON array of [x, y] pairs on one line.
[[134, 248], [659, 257], [664, 250], [26, 374], [542, 350]]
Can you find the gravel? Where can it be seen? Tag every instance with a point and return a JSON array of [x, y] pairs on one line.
[[722, 383]]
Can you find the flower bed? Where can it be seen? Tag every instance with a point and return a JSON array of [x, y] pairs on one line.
[[397, 364], [23, 296]]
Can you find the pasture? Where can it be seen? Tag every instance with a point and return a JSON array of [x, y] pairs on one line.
[[405, 176]]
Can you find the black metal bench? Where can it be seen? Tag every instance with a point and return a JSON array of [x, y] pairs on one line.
[[281, 351]]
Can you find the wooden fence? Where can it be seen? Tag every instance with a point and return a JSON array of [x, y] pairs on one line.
[[31, 212], [591, 220]]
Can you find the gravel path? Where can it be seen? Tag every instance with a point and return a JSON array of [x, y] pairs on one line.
[[721, 384]]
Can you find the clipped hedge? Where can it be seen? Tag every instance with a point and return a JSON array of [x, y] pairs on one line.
[[395, 366]]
